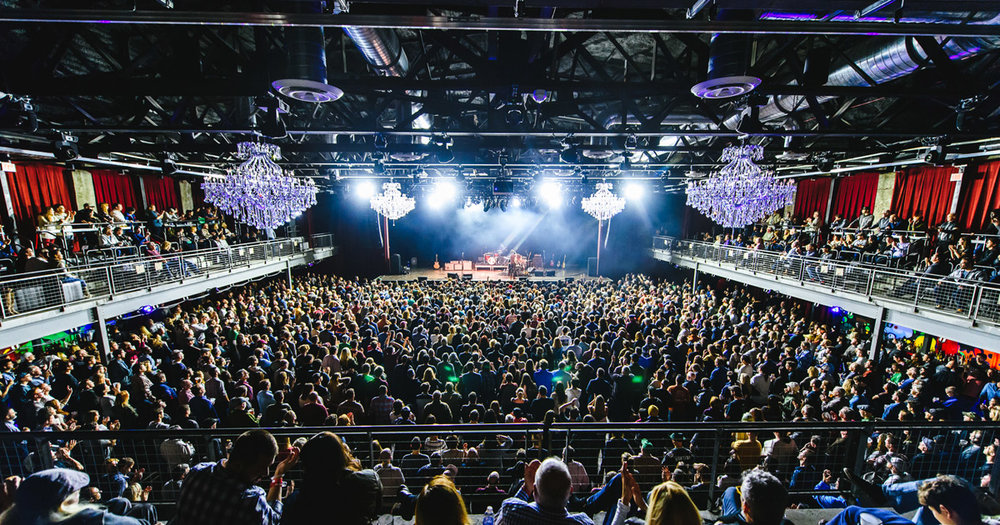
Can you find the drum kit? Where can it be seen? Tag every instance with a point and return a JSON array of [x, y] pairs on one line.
[[515, 262]]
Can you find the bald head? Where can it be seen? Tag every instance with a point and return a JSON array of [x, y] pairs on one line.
[[553, 484]]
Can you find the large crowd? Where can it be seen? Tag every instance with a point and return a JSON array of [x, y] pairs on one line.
[[326, 351]]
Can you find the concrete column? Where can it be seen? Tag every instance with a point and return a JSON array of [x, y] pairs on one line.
[[8, 201], [288, 273], [875, 347], [829, 200], [103, 343], [958, 189]]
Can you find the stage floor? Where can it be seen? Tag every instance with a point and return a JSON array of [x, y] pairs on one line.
[[482, 275]]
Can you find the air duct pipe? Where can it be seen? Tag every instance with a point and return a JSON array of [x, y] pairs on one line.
[[305, 78], [882, 62]]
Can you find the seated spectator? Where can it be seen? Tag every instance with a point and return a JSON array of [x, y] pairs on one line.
[[226, 491], [949, 499], [53, 497], [440, 503], [669, 504], [550, 483], [332, 481], [492, 485], [761, 500]]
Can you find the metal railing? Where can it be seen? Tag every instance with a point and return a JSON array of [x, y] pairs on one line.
[[598, 447], [321, 240], [968, 299], [32, 293]]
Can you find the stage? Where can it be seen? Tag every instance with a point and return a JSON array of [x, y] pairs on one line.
[[430, 274]]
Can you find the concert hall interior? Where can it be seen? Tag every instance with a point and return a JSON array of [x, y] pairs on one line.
[[499, 262]]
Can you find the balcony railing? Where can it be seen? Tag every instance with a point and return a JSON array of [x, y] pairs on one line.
[[842, 444], [27, 294], [974, 300]]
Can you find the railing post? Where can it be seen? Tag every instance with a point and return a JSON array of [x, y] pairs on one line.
[[973, 311], [371, 450], [111, 282], [870, 288], [916, 293], [715, 463]]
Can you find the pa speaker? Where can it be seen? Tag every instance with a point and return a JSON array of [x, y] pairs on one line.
[[525, 279], [452, 275], [570, 279], [395, 264], [591, 266], [550, 273], [466, 276], [422, 278]]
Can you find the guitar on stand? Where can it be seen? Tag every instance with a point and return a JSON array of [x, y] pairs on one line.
[[564, 262], [437, 265]]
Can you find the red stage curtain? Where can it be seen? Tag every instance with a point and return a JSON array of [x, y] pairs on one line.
[[161, 192], [812, 195], [853, 193], [34, 187], [925, 189], [980, 194], [113, 188]]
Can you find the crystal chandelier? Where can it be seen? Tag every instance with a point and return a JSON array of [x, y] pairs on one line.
[[740, 193], [258, 192], [391, 203], [603, 204]]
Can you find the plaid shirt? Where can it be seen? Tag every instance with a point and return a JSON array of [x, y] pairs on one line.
[[211, 495], [517, 511], [380, 409]]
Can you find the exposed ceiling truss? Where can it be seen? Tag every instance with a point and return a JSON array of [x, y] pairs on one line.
[[610, 81]]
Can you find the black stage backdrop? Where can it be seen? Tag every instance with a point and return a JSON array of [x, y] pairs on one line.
[[454, 231]]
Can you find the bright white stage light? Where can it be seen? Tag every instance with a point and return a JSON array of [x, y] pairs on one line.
[[364, 190], [444, 191], [516, 202], [634, 191], [551, 193]]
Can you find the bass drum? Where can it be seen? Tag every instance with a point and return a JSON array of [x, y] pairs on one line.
[[491, 258]]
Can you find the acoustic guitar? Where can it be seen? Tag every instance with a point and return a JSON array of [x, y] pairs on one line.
[[437, 265], [564, 262]]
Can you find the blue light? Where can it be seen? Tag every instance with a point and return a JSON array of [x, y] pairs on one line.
[[835, 310], [148, 309]]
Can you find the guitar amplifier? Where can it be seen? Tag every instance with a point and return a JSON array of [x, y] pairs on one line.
[[466, 266]]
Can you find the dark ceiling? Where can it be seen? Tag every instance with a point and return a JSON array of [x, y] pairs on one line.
[[193, 79]]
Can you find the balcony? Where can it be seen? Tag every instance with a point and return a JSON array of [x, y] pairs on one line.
[[964, 311], [34, 305]]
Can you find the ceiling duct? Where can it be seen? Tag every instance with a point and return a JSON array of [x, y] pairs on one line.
[[381, 49], [727, 62], [306, 72], [882, 61]]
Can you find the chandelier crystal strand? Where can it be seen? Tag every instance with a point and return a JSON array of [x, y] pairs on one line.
[[258, 192], [740, 193], [603, 204], [391, 203]]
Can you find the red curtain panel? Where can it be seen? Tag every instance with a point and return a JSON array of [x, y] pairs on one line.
[[33, 188], [161, 192], [113, 187], [812, 195], [854, 192], [980, 195], [926, 189]]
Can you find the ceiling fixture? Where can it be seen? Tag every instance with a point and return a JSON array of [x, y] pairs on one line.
[[740, 193], [258, 192], [391, 203], [603, 205]]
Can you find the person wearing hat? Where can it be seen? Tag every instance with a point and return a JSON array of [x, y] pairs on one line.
[[53, 496], [679, 453]]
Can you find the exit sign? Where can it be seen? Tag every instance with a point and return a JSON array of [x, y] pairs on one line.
[[8, 167]]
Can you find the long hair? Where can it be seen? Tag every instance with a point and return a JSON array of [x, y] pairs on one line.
[[670, 504], [440, 503], [324, 459]]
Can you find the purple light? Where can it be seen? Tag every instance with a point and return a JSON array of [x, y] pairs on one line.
[[788, 16], [835, 310]]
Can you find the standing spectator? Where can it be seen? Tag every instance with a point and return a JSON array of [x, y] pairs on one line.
[[390, 475]]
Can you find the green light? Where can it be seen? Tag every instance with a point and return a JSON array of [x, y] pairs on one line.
[[452, 379], [369, 378], [637, 379]]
